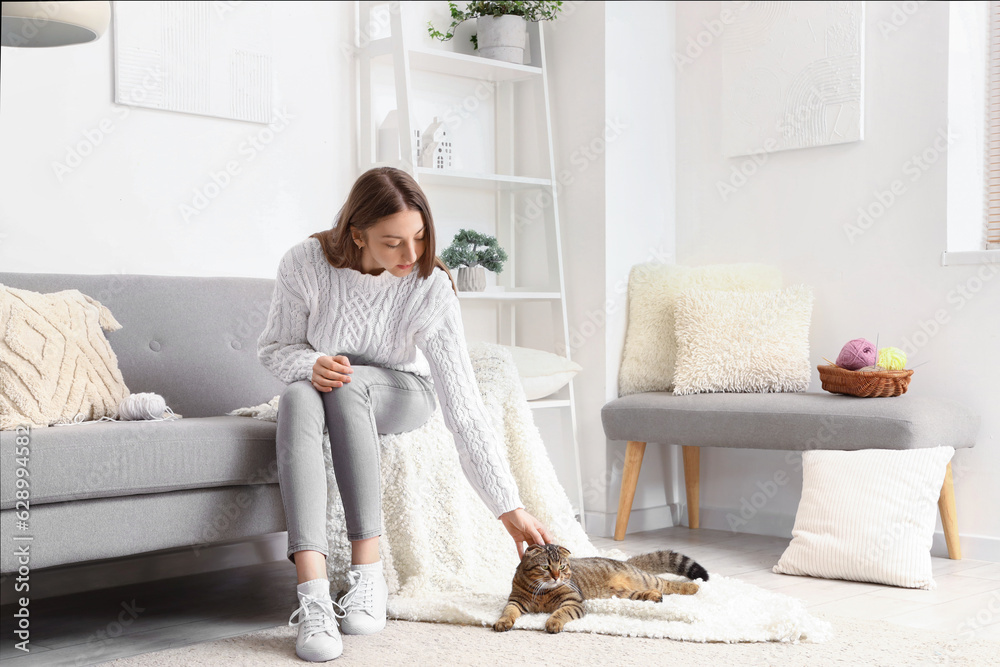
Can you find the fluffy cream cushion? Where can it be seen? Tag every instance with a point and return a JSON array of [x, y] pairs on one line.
[[867, 515], [650, 351], [55, 362], [542, 373], [743, 341]]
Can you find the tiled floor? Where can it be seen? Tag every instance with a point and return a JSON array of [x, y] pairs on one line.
[[92, 627]]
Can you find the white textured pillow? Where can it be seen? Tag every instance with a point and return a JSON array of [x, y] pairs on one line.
[[542, 373], [743, 341], [57, 364], [650, 351], [867, 516]]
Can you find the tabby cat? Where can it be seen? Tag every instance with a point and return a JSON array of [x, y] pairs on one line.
[[548, 580]]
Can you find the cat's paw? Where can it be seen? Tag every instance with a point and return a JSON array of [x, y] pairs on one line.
[[652, 596], [687, 589], [503, 625], [553, 626]]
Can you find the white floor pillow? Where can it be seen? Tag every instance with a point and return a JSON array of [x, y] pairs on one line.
[[867, 515]]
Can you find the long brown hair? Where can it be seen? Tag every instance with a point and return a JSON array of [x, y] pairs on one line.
[[379, 193]]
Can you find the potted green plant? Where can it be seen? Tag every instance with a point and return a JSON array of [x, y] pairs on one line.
[[472, 253], [501, 26]]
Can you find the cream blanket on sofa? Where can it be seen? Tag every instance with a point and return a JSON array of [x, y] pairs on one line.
[[447, 559]]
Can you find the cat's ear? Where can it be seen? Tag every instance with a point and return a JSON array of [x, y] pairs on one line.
[[533, 548], [564, 552]]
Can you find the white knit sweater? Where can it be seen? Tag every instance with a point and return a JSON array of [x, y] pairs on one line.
[[408, 324]]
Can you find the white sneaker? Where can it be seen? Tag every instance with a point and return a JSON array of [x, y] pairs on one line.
[[318, 640], [364, 601]]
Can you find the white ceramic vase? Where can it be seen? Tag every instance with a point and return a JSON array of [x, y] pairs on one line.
[[472, 279], [502, 37]]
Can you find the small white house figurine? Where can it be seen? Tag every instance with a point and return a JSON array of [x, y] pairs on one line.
[[388, 141], [436, 152]]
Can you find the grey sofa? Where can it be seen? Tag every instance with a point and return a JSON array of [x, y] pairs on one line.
[[108, 489]]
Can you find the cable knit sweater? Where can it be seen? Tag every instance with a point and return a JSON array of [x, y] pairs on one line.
[[405, 323]]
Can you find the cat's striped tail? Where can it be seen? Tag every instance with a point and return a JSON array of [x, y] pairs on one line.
[[658, 562]]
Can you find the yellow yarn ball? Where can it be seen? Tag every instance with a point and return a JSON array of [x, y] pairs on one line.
[[892, 358]]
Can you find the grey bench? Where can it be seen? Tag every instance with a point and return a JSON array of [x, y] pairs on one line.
[[783, 421]]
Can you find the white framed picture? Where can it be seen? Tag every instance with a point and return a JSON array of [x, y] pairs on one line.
[[208, 58], [792, 75]]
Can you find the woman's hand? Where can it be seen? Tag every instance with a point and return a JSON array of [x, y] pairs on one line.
[[525, 528], [330, 372]]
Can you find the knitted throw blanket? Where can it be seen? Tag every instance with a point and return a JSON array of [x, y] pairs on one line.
[[447, 559]]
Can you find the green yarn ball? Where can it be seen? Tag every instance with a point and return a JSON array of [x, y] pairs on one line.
[[892, 358]]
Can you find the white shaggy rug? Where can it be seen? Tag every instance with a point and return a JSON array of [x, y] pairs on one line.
[[447, 559]]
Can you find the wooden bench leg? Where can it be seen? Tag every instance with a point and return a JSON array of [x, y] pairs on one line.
[[692, 475], [630, 476], [949, 519]]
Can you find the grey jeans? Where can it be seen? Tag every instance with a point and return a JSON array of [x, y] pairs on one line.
[[376, 400]]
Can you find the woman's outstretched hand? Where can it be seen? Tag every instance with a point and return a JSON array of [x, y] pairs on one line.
[[525, 528]]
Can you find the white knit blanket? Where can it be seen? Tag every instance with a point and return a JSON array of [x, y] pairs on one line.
[[447, 559]]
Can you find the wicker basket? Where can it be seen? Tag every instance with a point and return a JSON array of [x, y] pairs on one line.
[[865, 384]]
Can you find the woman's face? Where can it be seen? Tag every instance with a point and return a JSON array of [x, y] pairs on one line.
[[395, 243]]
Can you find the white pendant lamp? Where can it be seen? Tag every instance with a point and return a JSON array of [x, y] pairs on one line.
[[43, 24]]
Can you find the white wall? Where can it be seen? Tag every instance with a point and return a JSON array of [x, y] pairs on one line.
[[795, 212], [639, 212], [575, 52], [118, 209], [614, 145]]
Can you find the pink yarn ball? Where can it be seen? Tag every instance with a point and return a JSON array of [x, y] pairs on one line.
[[858, 353]]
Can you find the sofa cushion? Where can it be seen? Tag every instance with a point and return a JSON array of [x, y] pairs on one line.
[[115, 527], [107, 459], [57, 365], [790, 421], [743, 341], [650, 351], [192, 340]]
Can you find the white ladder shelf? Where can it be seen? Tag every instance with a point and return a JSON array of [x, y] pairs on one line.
[[506, 184]]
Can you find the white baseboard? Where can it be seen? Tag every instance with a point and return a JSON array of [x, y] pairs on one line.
[[152, 566], [974, 547], [602, 524]]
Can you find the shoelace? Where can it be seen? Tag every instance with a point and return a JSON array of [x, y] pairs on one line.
[[360, 595], [320, 620]]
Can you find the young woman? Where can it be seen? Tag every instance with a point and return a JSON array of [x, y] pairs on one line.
[[365, 328]]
